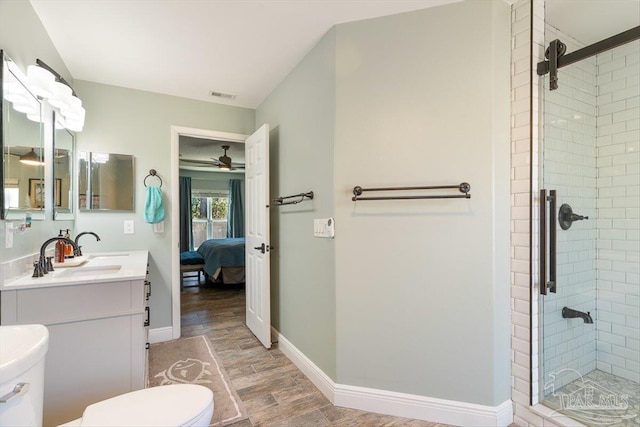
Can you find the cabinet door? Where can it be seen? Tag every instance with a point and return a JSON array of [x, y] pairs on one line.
[[87, 362]]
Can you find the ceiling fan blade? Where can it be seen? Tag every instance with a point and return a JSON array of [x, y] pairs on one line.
[[202, 162]]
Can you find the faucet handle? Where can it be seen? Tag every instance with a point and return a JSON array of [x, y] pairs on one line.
[[37, 271], [49, 263]]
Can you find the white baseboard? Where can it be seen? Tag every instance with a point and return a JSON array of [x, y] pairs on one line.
[[160, 334], [325, 384], [398, 404], [423, 408]]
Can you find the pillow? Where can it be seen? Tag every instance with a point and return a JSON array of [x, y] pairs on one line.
[[191, 258]]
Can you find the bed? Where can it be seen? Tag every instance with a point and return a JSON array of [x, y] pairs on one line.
[[223, 258]]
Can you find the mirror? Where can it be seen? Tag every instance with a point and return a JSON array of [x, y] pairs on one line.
[[21, 139], [63, 149], [105, 181]]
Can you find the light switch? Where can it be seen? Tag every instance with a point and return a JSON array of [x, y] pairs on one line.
[[129, 227], [8, 233], [324, 227], [158, 227]]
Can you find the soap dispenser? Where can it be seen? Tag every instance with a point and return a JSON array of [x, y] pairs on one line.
[[60, 249], [68, 248]]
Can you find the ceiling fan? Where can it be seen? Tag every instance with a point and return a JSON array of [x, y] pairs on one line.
[[29, 156], [222, 162]]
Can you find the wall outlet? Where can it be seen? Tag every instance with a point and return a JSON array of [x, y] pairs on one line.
[[129, 227]]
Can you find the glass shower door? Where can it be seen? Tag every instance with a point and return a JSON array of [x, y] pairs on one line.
[[589, 354]]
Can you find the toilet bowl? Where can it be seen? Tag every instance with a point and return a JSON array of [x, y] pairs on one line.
[[170, 405], [22, 355]]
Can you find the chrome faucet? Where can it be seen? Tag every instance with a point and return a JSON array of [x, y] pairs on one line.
[[42, 266], [569, 313], [77, 250]]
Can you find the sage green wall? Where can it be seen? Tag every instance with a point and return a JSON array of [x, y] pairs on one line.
[[301, 114], [24, 39], [419, 289], [127, 121], [422, 286]]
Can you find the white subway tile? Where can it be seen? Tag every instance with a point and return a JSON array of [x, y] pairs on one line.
[[613, 65], [604, 367], [610, 338], [613, 86], [625, 137], [630, 374], [632, 278], [628, 50], [628, 94], [624, 331], [626, 114], [612, 129], [615, 170]]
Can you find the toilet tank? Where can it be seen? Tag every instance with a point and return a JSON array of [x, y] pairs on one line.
[[22, 353]]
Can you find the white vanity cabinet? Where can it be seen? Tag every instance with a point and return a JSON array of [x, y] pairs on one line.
[[97, 339]]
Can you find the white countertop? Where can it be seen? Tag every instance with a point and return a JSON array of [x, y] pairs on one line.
[[100, 267]]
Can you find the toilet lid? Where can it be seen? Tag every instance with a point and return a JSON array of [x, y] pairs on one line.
[[170, 405]]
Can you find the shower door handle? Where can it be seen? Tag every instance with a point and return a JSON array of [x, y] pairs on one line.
[[550, 284]]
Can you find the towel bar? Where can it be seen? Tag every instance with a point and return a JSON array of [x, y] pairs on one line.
[[463, 187], [280, 200]]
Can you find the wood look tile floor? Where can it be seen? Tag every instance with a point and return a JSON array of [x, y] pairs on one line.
[[274, 391]]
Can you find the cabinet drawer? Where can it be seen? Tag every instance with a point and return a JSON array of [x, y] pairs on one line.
[[73, 303]]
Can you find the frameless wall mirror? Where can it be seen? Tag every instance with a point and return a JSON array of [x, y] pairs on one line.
[[21, 138], [105, 181], [63, 150]]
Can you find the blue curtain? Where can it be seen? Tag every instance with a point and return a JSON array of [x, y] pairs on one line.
[[235, 221], [186, 232]]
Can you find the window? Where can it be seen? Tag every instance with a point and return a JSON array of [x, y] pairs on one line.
[[209, 216], [11, 193]]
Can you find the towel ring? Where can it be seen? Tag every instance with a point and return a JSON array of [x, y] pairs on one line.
[[152, 172]]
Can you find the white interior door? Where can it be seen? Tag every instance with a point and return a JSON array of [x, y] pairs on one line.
[[257, 235]]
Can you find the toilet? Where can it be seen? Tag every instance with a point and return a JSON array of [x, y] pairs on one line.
[[169, 405], [22, 351], [22, 354]]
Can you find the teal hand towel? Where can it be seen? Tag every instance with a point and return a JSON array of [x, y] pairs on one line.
[[153, 207]]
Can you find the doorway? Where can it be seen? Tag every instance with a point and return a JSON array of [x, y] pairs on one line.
[[176, 133]]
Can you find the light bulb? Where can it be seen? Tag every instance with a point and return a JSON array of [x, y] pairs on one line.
[[61, 96], [40, 81]]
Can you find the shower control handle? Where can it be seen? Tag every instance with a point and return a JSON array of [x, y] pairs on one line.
[[566, 217]]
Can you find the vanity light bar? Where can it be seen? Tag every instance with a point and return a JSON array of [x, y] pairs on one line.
[[41, 81]]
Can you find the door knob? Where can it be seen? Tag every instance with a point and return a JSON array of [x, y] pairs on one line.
[[261, 248]]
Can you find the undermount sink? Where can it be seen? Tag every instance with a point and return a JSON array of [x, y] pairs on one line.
[[98, 270], [105, 256]]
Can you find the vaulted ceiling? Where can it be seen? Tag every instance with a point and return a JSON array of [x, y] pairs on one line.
[[190, 48]]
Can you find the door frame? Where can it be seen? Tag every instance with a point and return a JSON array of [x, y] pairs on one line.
[[176, 132]]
